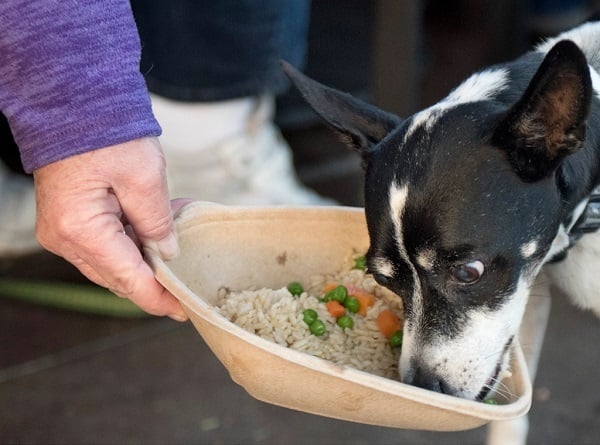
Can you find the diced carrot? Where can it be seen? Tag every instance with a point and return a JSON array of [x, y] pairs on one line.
[[329, 287], [366, 300], [335, 308], [388, 323]]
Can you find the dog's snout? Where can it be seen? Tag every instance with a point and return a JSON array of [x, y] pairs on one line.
[[426, 379]]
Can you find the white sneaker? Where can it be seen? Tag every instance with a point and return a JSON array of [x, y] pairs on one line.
[[17, 214], [249, 164]]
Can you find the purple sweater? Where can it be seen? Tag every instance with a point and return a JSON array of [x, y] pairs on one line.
[[69, 77]]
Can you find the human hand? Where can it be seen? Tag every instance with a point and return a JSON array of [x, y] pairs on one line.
[[95, 210]]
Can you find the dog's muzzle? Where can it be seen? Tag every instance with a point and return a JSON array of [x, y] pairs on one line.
[[428, 378]]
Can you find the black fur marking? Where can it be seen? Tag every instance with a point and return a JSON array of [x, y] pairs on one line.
[[362, 125]]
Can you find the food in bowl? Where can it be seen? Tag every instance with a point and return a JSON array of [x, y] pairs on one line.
[[346, 318]]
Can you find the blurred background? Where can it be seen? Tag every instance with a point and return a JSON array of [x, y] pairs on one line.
[[75, 377]]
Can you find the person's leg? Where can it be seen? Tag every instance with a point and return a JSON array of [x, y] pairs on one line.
[[17, 201], [207, 51], [17, 214], [213, 72]]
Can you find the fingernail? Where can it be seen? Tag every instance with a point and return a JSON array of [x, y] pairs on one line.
[[168, 247], [178, 317]]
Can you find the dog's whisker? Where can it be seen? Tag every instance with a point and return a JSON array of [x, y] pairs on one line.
[[494, 353], [501, 389]]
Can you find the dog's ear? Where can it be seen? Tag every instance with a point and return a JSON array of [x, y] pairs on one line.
[[362, 125], [548, 122]]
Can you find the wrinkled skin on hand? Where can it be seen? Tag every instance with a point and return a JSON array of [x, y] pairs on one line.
[[96, 209]]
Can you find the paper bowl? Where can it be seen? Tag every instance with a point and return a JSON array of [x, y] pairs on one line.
[[249, 248]]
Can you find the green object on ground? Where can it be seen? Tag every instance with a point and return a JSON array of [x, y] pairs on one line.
[[86, 298]]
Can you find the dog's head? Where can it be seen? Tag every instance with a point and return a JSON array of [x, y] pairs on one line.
[[464, 203]]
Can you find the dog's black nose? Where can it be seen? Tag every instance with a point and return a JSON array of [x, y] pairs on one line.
[[428, 380]]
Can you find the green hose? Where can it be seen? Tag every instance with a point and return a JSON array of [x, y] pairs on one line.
[[71, 296]]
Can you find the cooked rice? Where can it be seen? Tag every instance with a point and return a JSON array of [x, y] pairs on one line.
[[276, 315]]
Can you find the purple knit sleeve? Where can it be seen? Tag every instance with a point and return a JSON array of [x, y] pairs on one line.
[[69, 77]]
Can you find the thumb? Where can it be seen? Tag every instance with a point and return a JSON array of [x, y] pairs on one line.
[[168, 247], [144, 198]]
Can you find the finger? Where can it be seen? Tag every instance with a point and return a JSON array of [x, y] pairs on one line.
[[118, 265]]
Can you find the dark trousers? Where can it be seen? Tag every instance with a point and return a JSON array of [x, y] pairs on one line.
[[210, 50]]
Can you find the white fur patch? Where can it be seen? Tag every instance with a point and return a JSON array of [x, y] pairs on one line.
[[529, 249], [577, 212], [383, 266], [584, 36], [595, 80], [426, 259], [480, 86], [398, 196], [576, 275], [562, 241]]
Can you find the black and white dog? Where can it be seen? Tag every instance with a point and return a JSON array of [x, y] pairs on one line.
[[466, 200]]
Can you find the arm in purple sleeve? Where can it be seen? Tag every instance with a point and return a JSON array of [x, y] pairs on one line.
[[69, 77]]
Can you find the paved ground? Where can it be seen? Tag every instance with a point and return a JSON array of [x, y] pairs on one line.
[[73, 378], [68, 377]]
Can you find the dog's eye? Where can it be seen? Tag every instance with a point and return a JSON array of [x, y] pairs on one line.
[[382, 279], [467, 273]]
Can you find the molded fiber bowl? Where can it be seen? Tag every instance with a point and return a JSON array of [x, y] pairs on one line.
[[249, 248]]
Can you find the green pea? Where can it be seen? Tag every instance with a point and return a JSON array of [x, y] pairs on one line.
[[490, 401], [295, 288], [360, 263], [339, 293], [317, 328], [345, 321], [352, 304], [396, 339], [309, 316]]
